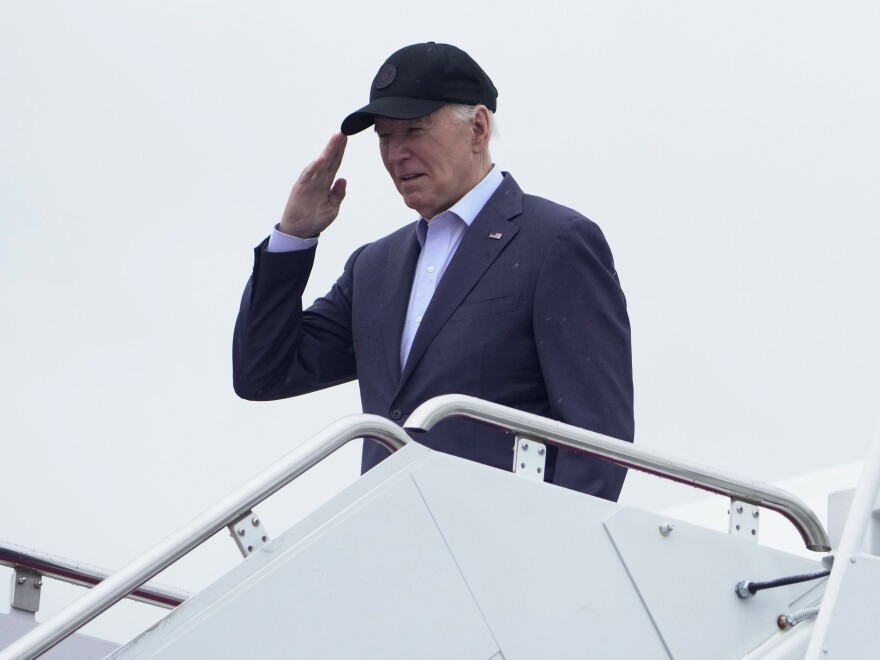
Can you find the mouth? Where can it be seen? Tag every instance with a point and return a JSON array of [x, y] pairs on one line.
[[409, 177]]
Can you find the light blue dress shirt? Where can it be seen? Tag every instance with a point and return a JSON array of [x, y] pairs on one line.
[[438, 237]]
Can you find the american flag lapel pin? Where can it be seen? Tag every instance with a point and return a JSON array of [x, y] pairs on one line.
[[495, 234]]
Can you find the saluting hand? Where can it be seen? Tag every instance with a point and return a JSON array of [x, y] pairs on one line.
[[314, 201]]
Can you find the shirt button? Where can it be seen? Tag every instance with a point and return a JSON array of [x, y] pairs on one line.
[[430, 269], [419, 318], [396, 413]]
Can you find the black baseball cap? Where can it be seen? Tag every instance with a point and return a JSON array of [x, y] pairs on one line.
[[419, 79]]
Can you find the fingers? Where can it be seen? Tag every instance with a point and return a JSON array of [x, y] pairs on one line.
[[334, 151], [322, 170]]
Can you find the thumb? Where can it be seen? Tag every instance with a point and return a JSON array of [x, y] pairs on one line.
[[337, 192]]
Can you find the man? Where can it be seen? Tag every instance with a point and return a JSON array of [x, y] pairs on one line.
[[491, 293]]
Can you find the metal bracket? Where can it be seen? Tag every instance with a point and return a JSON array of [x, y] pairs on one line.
[[249, 533], [26, 588], [743, 520], [529, 457]]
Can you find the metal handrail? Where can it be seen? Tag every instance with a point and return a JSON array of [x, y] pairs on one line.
[[227, 510], [85, 575], [623, 453]]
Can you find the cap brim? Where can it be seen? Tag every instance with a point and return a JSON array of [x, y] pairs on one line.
[[395, 107]]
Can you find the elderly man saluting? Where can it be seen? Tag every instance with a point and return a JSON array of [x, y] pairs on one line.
[[490, 292]]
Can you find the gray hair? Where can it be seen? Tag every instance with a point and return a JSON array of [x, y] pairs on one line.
[[465, 113]]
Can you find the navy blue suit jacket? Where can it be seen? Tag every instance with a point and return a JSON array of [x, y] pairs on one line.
[[528, 314]]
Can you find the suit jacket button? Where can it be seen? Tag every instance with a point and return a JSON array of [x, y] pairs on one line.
[[396, 414]]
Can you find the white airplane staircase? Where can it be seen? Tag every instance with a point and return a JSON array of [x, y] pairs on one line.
[[430, 556]]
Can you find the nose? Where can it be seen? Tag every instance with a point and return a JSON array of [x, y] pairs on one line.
[[397, 149]]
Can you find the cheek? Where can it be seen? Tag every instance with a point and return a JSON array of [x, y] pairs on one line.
[[388, 168]]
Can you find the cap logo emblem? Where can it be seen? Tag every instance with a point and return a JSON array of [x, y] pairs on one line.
[[386, 76]]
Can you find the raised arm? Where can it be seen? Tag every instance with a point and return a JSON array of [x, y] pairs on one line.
[[279, 350]]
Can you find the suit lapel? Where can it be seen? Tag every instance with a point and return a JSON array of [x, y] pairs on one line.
[[484, 240], [399, 272]]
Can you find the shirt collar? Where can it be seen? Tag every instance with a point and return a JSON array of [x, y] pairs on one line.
[[467, 208]]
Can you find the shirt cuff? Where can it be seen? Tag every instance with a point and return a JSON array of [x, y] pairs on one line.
[[281, 242]]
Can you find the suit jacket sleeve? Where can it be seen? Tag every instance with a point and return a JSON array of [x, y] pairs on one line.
[[583, 339], [279, 350]]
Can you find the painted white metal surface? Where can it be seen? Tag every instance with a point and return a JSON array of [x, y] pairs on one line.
[[852, 626], [198, 530], [429, 556], [620, 598], [76, 647], [538, 553], [785, 644], [686, 580], [369, 577]]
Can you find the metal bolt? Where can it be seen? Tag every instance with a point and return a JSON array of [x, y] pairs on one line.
[[666, 529], [742, 590], [241, 531], [255, 521], [525, 445], [38, 584], [539, 470], [739, 508], [737, 528], [754, 532], [755, 513], [541, 451], [21, 580]]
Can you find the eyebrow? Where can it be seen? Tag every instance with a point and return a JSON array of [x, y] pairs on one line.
[[418, 122]]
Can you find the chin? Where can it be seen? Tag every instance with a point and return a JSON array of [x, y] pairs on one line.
[[415, 206]]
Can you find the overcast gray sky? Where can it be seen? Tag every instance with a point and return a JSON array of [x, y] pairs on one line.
[[730, 152]]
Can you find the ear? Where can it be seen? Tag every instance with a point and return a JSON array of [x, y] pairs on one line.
[[482, 129]]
